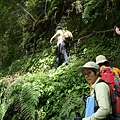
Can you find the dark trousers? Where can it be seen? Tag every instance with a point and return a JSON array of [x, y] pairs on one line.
[[62, 52]]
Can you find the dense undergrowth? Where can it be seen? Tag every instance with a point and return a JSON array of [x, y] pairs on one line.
[[32, 89]]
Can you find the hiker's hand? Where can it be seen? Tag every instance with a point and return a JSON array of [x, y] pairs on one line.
[[50, 40]]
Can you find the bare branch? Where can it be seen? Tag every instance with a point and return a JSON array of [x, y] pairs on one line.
[[27, 12], [103, 31], [94, 32]]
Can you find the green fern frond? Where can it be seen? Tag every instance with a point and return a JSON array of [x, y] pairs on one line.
[[29, 98], [90, 6], [73, 104], [3, 110], [23, 97]]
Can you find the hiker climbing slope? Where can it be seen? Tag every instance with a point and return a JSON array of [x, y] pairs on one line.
[[61, 47]]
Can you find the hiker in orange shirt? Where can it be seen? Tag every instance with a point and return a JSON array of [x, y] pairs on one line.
[[103, 62]]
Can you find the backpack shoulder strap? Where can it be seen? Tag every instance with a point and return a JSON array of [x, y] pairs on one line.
[[63, 31], [102, 81]]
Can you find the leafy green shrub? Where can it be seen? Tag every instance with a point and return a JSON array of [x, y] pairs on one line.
[[47, 93]]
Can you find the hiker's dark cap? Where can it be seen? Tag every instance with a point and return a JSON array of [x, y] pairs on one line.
[[58, 27]]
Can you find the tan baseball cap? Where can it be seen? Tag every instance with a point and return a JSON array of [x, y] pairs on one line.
[[89, 64], [101, 59]]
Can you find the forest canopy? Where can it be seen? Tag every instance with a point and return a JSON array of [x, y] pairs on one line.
[[28, 24]]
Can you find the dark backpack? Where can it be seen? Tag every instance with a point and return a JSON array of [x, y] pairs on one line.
[[114, 84]]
